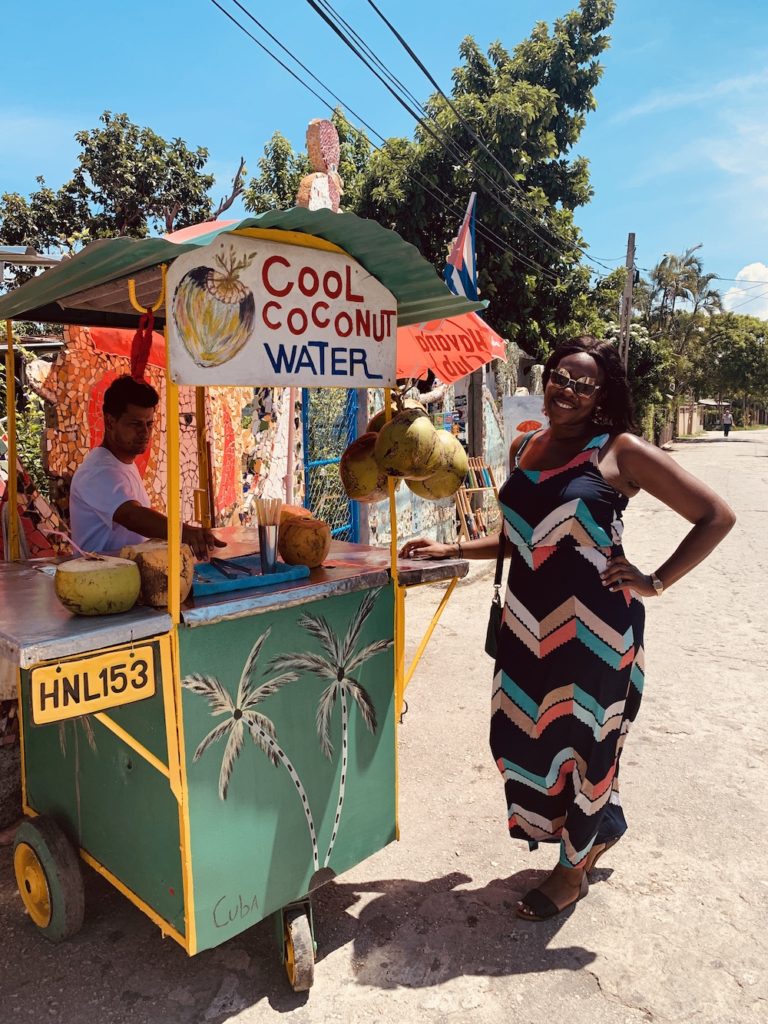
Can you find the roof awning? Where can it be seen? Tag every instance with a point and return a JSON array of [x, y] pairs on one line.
[[91, 289]]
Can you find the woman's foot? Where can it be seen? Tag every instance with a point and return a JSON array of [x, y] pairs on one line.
[[563, 888]]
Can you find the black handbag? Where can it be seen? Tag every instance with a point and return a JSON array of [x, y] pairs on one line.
[[494, 618]]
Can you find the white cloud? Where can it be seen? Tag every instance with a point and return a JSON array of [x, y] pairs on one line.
[[750, 293], [705, 93]]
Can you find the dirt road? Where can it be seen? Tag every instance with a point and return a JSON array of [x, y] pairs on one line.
[[674, 928]]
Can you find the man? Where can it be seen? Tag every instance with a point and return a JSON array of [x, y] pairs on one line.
[[109, 507], [727, 422]]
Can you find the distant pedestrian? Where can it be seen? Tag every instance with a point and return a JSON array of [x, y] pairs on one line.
[[569, 673], [727, 422]]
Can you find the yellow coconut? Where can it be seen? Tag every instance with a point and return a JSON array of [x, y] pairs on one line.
[[376, 422], [361, 476], [449, 477], [407, 446], [102, 586], [304, 542], [151, 558]]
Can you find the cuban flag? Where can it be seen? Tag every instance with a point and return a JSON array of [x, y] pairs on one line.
[[460, 272]]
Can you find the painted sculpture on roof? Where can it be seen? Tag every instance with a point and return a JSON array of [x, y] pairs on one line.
[[322, 189]]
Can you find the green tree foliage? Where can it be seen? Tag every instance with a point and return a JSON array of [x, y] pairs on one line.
[[529, 108], [732, 363], [128, 180], [677, 305]]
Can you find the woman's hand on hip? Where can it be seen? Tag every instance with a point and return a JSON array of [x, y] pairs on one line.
[[620, 574], [422, 548]]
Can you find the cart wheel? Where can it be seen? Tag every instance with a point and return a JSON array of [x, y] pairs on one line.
[[49, 878], [299, 951]]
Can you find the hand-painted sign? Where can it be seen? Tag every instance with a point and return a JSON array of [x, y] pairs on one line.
[[81, 686], [245, 311]]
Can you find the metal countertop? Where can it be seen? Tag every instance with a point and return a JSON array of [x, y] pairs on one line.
[[35, 627]]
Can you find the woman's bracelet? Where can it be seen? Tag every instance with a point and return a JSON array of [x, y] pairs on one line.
[[459, 552]]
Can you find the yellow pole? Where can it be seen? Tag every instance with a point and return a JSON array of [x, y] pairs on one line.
[[203, 469], [172, 482], [13, 554], [399, 591]]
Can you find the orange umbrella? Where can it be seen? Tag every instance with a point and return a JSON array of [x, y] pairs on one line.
[[450, 348]]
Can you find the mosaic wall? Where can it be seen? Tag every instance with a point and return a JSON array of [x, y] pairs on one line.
[[74, 391]]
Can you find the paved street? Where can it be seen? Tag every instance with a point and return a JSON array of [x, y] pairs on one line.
[[674, 928]]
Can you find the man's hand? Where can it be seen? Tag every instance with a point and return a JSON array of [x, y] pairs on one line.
[[201, 541]]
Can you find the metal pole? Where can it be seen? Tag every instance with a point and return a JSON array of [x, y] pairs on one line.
[[205, 511], [626, 300], [172, 481], [13, 554]]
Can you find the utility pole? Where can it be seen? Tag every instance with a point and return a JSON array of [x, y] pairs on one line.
[[625, 317]]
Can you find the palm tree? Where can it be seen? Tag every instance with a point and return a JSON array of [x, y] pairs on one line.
[[241, 713], [342, 660]]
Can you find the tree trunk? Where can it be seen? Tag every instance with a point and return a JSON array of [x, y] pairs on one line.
[[343, 779], [281, 755]]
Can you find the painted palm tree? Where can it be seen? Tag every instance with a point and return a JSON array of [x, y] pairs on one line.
[[241, 714], [342, 660]]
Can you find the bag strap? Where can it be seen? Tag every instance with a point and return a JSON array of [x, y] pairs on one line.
[[499, 567]]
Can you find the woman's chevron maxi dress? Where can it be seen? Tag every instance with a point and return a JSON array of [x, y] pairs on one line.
[[569, 674]]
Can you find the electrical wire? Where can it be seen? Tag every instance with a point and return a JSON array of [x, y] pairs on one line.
[[486, 233], [478, 140], [448, 145]]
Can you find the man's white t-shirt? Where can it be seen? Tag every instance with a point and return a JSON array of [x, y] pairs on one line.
[[100, 486]]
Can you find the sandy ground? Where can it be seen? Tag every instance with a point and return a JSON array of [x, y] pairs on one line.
[[674, 928]]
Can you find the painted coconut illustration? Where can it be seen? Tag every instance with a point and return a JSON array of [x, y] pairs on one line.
[[214, 311]]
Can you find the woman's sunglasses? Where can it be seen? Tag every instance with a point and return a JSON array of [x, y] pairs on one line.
[[584, 387]]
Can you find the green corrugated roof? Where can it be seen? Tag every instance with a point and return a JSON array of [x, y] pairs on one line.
[[421, 294]]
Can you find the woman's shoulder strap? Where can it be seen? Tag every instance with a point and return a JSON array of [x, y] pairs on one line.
[[526, 438]]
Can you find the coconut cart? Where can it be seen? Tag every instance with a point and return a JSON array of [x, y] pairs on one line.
[[219, 759]]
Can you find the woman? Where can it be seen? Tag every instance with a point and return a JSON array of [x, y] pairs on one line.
[[569, 674]]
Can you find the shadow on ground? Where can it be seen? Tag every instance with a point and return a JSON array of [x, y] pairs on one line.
[[391, 933]]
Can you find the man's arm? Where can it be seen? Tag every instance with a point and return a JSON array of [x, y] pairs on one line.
[[149, 523]]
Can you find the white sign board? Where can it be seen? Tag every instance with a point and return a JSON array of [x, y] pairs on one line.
[[245, 312], [522, 413]]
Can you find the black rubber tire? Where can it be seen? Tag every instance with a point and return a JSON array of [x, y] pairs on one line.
[[299, 936], [61, 866]]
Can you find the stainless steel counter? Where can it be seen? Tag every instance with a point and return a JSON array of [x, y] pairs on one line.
[[35, 627]]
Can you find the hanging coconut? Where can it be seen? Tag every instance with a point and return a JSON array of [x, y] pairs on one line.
[[449, 477], [362, 477], [376, 422], [407, 446]]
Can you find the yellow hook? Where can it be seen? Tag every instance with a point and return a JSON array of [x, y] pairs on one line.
[[135, 302]]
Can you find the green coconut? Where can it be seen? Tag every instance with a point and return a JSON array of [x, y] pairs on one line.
[[407, 446], [449, 477]]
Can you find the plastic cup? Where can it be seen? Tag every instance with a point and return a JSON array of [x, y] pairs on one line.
[[268, 548]]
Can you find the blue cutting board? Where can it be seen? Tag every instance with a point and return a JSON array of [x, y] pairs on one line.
[[209, 580]]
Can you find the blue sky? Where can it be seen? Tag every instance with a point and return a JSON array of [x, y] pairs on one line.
[[678, 146]]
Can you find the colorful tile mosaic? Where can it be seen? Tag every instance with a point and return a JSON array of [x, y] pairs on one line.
[[75, 389]]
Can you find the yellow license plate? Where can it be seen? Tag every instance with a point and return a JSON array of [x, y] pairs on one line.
[[68, 689]]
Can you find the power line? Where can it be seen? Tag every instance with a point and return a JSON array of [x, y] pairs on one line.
[[478, 140], [449, 146], [486, 233]]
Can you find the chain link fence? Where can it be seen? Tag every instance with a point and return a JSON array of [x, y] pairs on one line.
[[329, 417]]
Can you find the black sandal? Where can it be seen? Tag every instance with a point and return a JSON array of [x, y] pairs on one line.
[[542, 906]]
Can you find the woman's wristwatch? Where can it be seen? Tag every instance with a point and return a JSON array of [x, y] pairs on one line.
[[657, 585]]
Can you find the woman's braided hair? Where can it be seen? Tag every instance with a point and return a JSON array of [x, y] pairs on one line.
[[615, 408]]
